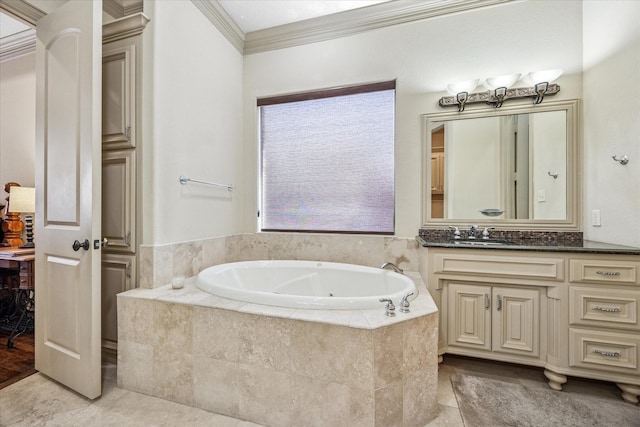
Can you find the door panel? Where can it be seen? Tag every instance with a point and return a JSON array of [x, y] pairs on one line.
[[119, 200], [516, 321], [470, 325], [68, 194]]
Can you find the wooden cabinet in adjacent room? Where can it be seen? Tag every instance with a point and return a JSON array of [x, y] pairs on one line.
[[121, 141]]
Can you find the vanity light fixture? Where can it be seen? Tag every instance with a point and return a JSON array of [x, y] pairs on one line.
[[461, 91], [541, 81], [499, 90], [499, 85]]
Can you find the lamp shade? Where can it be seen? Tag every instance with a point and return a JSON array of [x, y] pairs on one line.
[[465, 86], [548, 76], [502, 81], [22, 199]]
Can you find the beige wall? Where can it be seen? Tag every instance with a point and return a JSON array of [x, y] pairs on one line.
[[200, 116], [192, 126], [424, 57], [612, 120], [17, 121]]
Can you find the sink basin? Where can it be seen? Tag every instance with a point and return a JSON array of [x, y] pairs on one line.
[[482, 242]]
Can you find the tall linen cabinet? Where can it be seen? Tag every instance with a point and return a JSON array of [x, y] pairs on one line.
[[121, 149]]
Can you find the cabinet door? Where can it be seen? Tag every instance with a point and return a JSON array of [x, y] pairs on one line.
[[516, 320], [118, 272], [437, 173], [469, 316], [118, 96], [118, 200]]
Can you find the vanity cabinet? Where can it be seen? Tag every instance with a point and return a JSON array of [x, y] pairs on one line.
[[575, 314], [121, 142], [494, 318], [492, 305], [604, 330]]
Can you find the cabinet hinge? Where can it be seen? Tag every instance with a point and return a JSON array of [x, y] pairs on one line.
[[127, 269]]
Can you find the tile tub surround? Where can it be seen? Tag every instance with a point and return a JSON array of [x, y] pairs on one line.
[[160, 263], [281, 366]]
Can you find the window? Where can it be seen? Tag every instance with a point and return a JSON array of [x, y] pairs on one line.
[[327, 160]]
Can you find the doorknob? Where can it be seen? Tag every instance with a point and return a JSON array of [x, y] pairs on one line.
[[98, 243], [84, 245]]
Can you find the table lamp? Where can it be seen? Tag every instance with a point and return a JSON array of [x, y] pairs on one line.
[[23, 200]]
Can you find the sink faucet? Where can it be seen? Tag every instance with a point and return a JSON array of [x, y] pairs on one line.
[[472, 231], [485, 232], [456, 232], [393, 266]]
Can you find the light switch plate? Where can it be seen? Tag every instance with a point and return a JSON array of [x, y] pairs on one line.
[[595, 218]]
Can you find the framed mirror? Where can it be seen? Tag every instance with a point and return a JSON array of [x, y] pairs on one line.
[[516, 167]]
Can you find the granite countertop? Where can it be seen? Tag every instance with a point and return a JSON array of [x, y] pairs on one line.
[[581, 246]]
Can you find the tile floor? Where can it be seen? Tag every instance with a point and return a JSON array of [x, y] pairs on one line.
[[37, 401]]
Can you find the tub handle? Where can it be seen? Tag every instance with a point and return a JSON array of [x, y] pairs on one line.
[[404, 303], [390, 309]]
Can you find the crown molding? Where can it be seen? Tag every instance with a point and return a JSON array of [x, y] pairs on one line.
[[17, 45], [219, 17], [132, 6], [113, 8], [120, 8], [124, 27], [23, 10], [355, 21]]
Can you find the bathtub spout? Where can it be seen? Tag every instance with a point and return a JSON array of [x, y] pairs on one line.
[[393, 266]]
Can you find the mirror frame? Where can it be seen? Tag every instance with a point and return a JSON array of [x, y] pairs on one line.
[[574, 163]]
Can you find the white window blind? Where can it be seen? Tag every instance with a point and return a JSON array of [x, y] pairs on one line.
[[327, 164]]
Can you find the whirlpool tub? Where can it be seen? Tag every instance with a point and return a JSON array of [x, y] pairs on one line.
[[306, 284]]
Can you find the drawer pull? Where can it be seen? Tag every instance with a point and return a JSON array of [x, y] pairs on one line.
[[607, 309], [607, 353], [608, 273]]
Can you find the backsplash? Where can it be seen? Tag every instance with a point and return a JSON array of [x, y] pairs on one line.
[[522, 237], [160, 263]]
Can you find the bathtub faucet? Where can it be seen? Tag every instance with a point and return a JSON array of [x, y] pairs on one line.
[[389, 309], [404, 303], [393, 266]]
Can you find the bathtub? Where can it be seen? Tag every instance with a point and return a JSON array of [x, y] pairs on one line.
[[306, 284]]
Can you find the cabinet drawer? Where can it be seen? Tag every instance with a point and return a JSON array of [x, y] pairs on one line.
[[604, 351], [605, 308], [598, 271], [499, 266], [26, 268]]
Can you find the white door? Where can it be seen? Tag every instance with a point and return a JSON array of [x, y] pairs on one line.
[[68, 195]]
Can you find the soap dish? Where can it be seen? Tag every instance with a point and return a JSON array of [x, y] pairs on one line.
[[491, 212]]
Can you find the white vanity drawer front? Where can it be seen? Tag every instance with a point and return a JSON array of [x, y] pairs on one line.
[[588, 271], [607, 308], [501, 266], [604, 351]]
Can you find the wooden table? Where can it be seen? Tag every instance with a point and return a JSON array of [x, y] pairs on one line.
[[18, 262]]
